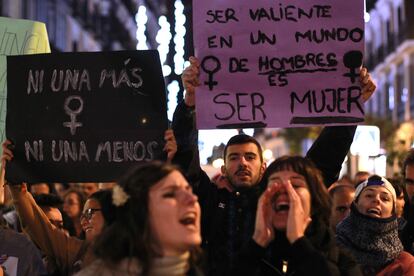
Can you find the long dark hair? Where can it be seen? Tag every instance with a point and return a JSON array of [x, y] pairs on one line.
[[320, 200], [129, 236], [104, 198]]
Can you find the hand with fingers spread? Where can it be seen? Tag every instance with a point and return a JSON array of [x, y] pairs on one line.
[[264, 230], [298, 220], [170, 145], [190, 79], [367, 83]]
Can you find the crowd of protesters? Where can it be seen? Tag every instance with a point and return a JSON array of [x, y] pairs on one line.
[[290, 217]]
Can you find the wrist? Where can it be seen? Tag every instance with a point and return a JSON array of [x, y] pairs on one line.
[[189, 100], [293, 238], [261, 240]]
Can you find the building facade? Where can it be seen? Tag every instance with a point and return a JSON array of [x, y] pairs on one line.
[[389, 55], [80, 25]]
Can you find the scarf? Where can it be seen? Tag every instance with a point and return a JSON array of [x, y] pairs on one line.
[[374, 242], [171, 266]]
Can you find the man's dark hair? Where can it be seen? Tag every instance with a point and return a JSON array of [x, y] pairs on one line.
[[398, 184], [48, 200], [409, 160], [243, 139], [51, 186], [339, 187]]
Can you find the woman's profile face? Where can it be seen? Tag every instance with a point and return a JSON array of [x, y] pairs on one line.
[[92, 220], [174, 215], [376, 202], [71, 205], [280, 201]]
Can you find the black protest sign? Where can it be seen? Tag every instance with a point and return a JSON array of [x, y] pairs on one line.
[[80, 117]]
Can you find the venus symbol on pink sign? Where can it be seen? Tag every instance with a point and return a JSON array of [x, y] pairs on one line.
[[284, 63]]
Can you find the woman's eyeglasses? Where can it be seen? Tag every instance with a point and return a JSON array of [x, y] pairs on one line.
[[57, 223], [88, 213]]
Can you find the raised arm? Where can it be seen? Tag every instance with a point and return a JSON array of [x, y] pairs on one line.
[[190, 79], [186, 135], [331, 147], [52, 241], [183, 124]]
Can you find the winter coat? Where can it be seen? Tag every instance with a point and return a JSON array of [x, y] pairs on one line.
[[314, 254]]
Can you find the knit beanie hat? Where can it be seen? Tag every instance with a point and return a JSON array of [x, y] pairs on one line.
[[376, 180]]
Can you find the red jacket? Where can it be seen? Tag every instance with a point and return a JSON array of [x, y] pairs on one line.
[[402, 265]]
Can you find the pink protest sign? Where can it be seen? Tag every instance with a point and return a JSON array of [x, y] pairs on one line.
[[279, 63]]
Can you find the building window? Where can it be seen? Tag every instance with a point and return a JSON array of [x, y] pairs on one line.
[[380, 100], [51, 22], [389, 99], [399, 35], [75, 46], [390, 38], [25, 9], [41, 11], [411, 92], [401, 93]]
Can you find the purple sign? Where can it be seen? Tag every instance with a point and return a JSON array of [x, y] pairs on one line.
[[280, 63]]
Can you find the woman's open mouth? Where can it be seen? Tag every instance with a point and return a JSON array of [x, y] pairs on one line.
[[375, 212], [281, 206]]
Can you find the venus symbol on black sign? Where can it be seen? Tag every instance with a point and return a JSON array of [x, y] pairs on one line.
[[352, 60], [73, 124], [215, 62]]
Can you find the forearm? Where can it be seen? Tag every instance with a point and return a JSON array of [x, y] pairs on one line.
[[330, 149], [187, 156], [52, 241], [183, 125], [186, 136], [3, 199]]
